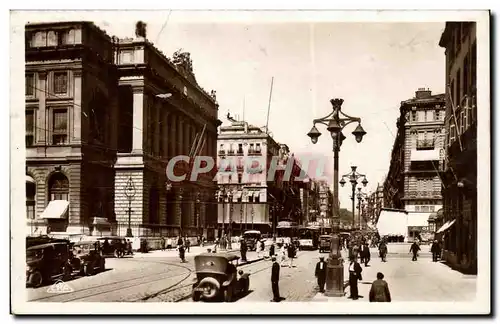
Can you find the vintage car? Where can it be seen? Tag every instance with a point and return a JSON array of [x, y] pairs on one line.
[[217, 277], [87, 257], [251, 238], [115, 246], [46, 261], [324, 243]]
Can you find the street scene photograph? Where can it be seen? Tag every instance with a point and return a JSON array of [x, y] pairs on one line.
[[250, 162]]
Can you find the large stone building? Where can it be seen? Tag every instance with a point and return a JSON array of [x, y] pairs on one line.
[[414, 179], [103, 117], [325, 206], [248, 197], [460, 180]]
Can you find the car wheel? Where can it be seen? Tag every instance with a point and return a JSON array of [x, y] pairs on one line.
[[228, 295], [67, 270], [102, 265], [89, 269], [35, 279], [196, 296]]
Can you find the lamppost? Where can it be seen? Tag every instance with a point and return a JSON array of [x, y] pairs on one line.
[[335, 122], [230, 210], [129, 193], [360, 195], [221, 198], [353, 177], [198, 214]]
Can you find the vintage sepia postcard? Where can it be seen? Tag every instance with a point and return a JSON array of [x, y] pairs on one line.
[[173, 162]]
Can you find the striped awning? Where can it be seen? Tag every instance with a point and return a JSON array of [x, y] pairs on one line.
[[446, 226]]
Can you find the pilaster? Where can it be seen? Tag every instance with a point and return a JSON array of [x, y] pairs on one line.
[[76, 134], [41, 113], [138, 119]]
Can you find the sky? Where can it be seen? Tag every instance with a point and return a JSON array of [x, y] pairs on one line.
[[373, 66]]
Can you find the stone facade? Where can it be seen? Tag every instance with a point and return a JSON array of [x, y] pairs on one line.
[[460, 178]]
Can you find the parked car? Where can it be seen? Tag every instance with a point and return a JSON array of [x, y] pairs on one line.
[[42, 239], [46, 261], [217, 277], [115, 246], [87, 257]]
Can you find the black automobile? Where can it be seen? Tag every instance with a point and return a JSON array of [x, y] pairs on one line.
[[116, 246], [47, 261]]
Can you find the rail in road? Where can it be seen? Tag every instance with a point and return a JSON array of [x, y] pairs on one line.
[[149, 283], [107, 288]]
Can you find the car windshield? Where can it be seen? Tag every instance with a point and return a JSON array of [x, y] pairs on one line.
[[308, 235], [251, 235]]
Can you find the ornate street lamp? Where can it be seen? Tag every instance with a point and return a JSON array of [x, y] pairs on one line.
[[360, 195], [221, 199], [130, 194], [353, 178], [335, 122]]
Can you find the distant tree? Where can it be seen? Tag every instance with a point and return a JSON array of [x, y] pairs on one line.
[[345, 215]]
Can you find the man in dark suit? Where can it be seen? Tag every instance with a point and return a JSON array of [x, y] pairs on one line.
[[365, 252], [320, 274], [435, 251], [354, 275], [414, 248], [275, 278], [243, 250], [379, 291]]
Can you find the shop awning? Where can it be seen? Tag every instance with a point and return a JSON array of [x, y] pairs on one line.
[[446, 226], [56, 209], [29, 179], [392, 222]]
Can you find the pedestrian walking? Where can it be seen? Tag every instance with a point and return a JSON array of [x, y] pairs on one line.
[[366, 254], [275, 278], [414, 248], [291, 253], [435, 250], [282, 254], [382, 251], [129, 248], [163, 243], [187, 243], [182, 254], [379, 291], [271, 250], [320, 274], [243, 250], [354, 275]]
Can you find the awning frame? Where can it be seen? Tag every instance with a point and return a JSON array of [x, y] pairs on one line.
[[446, 226], [56, 206]]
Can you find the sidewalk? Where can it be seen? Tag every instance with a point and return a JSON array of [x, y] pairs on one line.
[[421, 280]]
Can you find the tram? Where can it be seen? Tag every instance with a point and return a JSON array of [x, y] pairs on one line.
[[308, 237]]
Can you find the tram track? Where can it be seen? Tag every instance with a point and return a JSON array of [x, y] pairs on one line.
[[111, 287]]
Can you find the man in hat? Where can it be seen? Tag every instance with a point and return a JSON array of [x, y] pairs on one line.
[[354, 275], [275, 278], [435, 251], [379, 291], [320, 274]]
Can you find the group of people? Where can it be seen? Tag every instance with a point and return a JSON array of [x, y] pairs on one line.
[[124, 247]]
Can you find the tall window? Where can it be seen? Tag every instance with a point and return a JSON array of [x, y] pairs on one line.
[[257, 148], [52, 38], [30, 84], [30, 127], [30, 200], [239, 177], [429, 114], [60, 82], [60, 126], [59, 187]]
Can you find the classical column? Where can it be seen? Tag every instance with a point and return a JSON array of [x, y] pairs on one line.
[[157, 124], [138, 119], [42, 114], [76, 136], [180, 136], [173, 138]]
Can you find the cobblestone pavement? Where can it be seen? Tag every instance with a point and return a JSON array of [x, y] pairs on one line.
[[421, 280], [127, 279]]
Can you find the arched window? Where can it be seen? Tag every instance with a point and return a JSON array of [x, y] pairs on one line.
[[51, 38], [59, 187], [30, 197]]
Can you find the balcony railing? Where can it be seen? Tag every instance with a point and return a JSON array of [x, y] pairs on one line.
[[222, 152], [422, 194], [254, 152], [230, 152], [425, 144], [239, 152]]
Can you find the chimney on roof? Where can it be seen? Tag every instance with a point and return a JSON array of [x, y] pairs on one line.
[[422, 93]]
